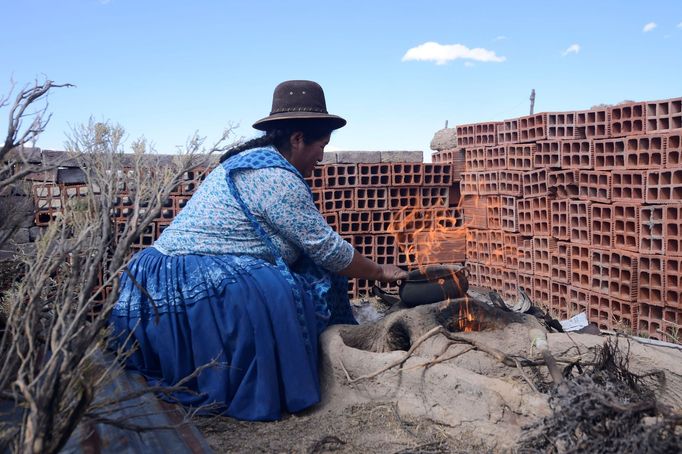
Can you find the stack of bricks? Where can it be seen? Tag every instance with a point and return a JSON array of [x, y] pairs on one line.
[[391, 206], [56, 190], [583, 210]]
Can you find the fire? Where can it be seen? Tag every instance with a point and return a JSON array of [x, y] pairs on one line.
[[429, 236], [466, 321]]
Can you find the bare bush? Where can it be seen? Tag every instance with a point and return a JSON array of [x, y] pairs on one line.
[[57, 313], [28, 118]]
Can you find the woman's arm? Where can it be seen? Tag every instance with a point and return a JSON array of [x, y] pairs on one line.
[[364, 268]]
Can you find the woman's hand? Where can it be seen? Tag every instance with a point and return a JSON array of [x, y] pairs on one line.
[[391, 273]]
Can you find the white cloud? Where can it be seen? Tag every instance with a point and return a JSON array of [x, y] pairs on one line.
[[468, 64], [443, 53], [572, 49], [679, 25], [500, 38], [648, 27]]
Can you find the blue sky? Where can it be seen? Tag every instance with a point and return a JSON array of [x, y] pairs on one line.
[[164, 69]]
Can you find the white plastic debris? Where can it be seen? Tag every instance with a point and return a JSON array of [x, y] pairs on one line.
[[575, 323]]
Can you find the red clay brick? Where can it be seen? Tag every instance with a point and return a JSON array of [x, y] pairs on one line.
[[510, 282], [645, 152], [563, 183], [594, 185], [664, 115], [385, 249], [474, 212], [340, 175], [407, 173], [508, 131], [497, 250], [560, 125], [371, 199], [609, 153], [664, 186], [338, 200], [533, 127], [510, 182], [511, 250], [652, 280], [626, 225], [466, 135], [542, 291], [548, 154], [560, 269], [315, 181], [351, 222], [403, 197], [559, 219], [535, 183], [526, 283], [579, 220], [673, 152], [615, 273], [650, 321], [627, 119], [475, 159], [469, 183], [524, 212], [543, 248], [576, 154], [592, 123], [434, 197], [628, 186], [559, 301], [521, 156], [488, 183], [493, 212], [540, 216], [578, 300], [673, 282], [602, 225], [496, 157], [437, 174], [525, 256], [508, 214], [374, 174], [581, 266]]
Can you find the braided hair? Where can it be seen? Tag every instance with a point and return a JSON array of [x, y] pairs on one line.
[[278, 136]]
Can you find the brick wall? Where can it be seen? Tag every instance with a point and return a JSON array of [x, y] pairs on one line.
[[590, 202], [389, 205]]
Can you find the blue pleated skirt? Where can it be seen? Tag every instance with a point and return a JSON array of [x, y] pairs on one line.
[[183, 312]]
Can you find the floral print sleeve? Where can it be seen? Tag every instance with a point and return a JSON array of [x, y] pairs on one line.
[[288, 210]]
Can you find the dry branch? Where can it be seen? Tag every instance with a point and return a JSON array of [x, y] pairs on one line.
[[56, 327]]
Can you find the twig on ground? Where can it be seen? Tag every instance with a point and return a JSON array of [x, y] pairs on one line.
[[432, 332]]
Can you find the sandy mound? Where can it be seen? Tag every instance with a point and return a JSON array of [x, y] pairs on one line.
[[468, 402]]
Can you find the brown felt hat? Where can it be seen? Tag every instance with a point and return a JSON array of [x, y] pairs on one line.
[[298, 100]]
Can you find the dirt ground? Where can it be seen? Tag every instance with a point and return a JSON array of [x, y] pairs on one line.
[[470, 403]]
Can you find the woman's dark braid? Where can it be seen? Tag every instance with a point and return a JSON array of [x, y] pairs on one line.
[[268, 139]]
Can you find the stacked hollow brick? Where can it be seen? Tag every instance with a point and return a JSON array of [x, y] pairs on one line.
[[583, 210], [389, 208], [360, 200], [53, 192]]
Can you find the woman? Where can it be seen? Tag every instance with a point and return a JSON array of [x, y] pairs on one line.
[[248, 274]]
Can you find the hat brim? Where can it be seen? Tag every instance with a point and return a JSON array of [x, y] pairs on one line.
[[335, 122]]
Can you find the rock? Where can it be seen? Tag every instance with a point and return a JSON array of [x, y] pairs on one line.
[[445, 139]]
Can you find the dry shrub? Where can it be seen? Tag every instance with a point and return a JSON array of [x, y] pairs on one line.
[[56, 326]]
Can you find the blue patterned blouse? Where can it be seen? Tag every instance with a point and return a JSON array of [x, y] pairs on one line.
[[212, 222]]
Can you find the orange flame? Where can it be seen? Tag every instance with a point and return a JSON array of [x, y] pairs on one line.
[[466, 320]]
